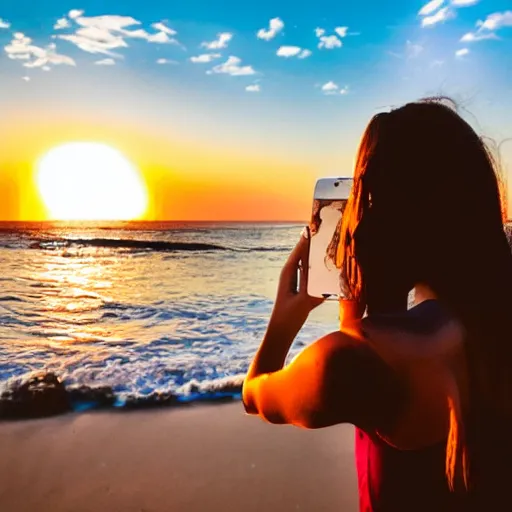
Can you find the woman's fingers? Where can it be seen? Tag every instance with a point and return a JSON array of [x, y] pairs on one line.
[[290, 268], [296, 269], [303, 283], [304, 261]]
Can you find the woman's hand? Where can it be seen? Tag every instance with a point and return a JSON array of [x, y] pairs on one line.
[[293, 304], [291, 309]]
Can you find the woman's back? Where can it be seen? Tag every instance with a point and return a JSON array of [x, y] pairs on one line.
[[393, 479]]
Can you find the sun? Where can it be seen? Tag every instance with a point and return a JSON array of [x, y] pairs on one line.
[[90, 181]]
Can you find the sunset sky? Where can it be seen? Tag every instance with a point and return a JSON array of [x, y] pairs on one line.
[[231, 110]]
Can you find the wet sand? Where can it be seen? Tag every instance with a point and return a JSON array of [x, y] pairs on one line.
[[193, 459]]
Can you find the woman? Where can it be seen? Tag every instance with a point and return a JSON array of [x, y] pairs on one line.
[[428, 388]]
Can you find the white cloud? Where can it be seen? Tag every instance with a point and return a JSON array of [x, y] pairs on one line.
[[4, 24], [329, 42], [293, 51], [221, 42], [275, 26], [341, 31], [162, 27], [430, 7], [464, 3], [289, 51], [93, 40], [253, 88], [26, 78], [165, 61], [232, 67], [472, 37], [21, 48], [101, 34], [46, 68], [486, 29], [433, 12], [107, 22], [334, 40], [49, 56], [436, 63], [159, 37], [62, 23], [75, 13], [440, 16], [412, 50], [496, 21], [205, 58], [105, 62], [462, 52], [329, 87]]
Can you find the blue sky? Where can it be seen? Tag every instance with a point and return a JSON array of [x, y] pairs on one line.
[[295, 82]]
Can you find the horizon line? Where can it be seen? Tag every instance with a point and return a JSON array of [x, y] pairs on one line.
[[5, 221]]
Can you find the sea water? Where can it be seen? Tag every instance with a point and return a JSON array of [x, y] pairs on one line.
[[142, 309]]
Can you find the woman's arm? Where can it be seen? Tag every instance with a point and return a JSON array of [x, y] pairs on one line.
[[305, 392], [336, 379], [266, 389]]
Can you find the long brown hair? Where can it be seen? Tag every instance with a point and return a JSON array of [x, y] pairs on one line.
[[429, 194]]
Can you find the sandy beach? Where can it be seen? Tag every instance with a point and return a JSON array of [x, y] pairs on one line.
[[193, 459]]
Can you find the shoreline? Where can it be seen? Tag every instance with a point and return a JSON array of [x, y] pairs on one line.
[[201, 457]]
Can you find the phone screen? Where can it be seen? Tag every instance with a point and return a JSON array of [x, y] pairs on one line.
[[330, 199]]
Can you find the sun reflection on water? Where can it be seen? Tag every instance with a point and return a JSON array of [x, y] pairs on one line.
[[142, 320]]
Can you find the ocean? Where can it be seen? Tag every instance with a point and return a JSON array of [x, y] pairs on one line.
[[136, 314]]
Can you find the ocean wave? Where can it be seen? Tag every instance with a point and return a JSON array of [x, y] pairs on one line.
[[114, 243], [144, 245], [44, 394], [226, 386], [11, 298]]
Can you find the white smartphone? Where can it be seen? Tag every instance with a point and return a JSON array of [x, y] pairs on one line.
[[329, 201]]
